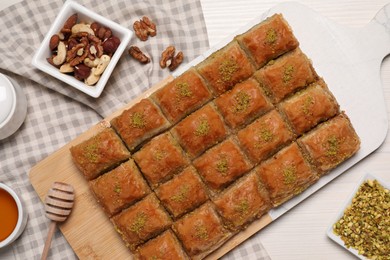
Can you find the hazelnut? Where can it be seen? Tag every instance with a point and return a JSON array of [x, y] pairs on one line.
[[81, 71], [111, 44]]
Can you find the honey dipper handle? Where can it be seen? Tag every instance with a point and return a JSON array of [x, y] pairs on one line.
[[50, 234]]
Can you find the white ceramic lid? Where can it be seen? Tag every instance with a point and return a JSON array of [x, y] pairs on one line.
[[7, 98]]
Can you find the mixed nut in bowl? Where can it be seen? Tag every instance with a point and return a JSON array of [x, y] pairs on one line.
[[82, 48]]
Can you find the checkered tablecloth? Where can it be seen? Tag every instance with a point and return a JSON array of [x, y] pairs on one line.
[[58, 113]]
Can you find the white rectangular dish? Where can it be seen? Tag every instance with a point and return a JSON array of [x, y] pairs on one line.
[[335, 237], [85, 15]]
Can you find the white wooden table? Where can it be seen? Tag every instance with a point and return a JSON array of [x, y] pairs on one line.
[[301, 233]]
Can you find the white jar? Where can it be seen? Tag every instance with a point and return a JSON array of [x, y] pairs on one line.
[[13, 107]]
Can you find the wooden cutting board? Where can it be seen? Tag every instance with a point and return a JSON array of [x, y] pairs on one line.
[[348, 59]]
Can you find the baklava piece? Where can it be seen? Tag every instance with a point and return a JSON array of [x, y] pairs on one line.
[[160, 159], [201, 231], [265, 136], [182, 96], [139, 123], [226, 67], [286, 75], [286, 174], [331, 143], [243, 202], [243, 103], [164, 247], [142, 221], [268, 40], [309, 107], [222, 164], [200, 130], [119, 188], [183, 193], [102, 152]]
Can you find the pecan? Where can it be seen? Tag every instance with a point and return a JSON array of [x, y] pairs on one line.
[[166, 56], [94, 39], [54, 41], [176, 61], [80, 59], [71, 43], [149, 26], [141, 33], [71, 54], [144, 27], [137, 54]]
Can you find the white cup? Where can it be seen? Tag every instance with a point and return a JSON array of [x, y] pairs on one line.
[[22, 217], [13, 107]]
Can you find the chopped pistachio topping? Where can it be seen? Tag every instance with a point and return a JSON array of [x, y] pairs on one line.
[[271, 62], [138, 120], [91, 151], [288, 73], [117, 188], [139, 223], [182, 194], [222, 165], [201, 232], [158, 155], [289, 175], [242, 207], [365, 224], [266, 134], [332, 146], [153, 257], [203, 127], [243, 100], [307, 104], [271, 36], [227, 69], [183, 89]]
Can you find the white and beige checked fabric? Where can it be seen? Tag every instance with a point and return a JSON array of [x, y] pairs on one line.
[[58, 113]]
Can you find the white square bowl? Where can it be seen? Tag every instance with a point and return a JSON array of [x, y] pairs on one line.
[[335, 237], [85, 15]]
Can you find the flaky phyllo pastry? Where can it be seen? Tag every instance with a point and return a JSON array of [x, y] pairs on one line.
[[242, 132]]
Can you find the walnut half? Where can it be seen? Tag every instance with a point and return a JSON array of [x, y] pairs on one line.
[[144, 27], [168, 58], [137, 54]]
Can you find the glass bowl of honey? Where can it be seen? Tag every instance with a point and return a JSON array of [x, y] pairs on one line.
[[13, 215]]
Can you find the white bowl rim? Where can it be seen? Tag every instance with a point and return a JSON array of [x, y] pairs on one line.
[[12, 112], [21, 213]]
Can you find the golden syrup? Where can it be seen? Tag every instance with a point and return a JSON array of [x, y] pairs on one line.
[[8, 214]]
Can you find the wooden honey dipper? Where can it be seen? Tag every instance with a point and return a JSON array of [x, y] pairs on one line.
[[58, 205]]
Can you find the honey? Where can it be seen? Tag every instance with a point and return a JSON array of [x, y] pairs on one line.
[[8, 214]]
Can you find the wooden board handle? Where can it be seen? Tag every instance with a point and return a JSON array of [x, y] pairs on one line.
[[381, 24]]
